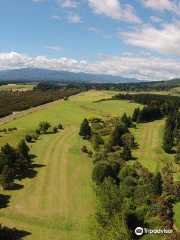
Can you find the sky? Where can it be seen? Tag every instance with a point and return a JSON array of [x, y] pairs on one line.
[[130, 38]]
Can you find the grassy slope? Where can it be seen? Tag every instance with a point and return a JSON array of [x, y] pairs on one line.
[[57, 202]]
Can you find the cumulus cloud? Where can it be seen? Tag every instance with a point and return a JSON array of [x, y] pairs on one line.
[[68, 3], [129, 65], [113, 9], [162, 5], [164, 41], [74, 18]]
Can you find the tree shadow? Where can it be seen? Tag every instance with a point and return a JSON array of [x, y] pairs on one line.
[[48, 133], [134, 158], [32, 156], [4, 200], [136, 146], [14, 187], [30, 172], [12, 234]]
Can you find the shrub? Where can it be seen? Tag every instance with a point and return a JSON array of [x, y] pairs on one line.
[[90, 153], [94, 119], [55, 129], [38, 131], [84, 149], [28, 138], [35, 136], [60, 126]]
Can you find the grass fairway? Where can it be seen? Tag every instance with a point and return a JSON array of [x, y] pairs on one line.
[[57, 199]]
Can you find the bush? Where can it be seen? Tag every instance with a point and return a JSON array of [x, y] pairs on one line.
[[55, 129], [28, 138], [66, 98], [60, 126], [84, 149], [90, 153], [35, 136], [94, 119], [44, 126], [38, 131]]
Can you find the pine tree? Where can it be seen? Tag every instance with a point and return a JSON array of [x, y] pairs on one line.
[[23, 149], [7, 177], [157, 184], [126, 153], [177, 156], [168, 140], [135, 114], [119, 130], [85, 129]]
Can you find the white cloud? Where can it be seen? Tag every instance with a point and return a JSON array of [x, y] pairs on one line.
[[55, 17], [135, 66], [68, 3], [155, 19], [74, 18], [54, 48], [162, 5], [164, 41], [113, 9], [100, 32]]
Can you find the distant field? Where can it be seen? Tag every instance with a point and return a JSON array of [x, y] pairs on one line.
[[58, 202], [16, 87]]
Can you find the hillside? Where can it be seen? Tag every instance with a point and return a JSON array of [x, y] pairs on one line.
[[36, 74]]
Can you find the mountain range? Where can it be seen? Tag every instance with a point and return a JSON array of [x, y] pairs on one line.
[[37, 74]]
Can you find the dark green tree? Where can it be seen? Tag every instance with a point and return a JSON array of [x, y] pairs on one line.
[[126, 153], [85, 129], [60, 126], [157, 184], [44, 126], [177, 156], [104, 170], [116, 135], [38, 131], [135, 114], [9, 154], [168, 140], [23, 149], [28, 138], [55, 129], [7, 177]]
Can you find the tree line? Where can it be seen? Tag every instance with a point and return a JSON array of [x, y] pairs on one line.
[[120, 186], [17, 101]]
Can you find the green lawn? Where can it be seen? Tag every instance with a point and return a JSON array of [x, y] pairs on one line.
[[57, 201]]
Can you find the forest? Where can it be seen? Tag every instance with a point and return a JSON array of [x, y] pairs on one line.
[[17, 101]]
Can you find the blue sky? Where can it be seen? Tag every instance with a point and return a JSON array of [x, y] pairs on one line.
[[138, 38]]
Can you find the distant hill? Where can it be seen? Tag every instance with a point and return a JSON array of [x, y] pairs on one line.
[[37, 74]]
